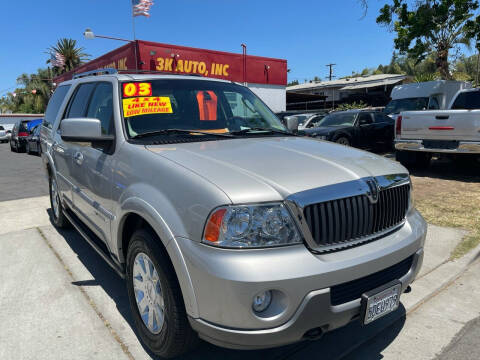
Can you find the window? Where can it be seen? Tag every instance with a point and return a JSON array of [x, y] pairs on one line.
[[364, 119], [2, 128], [433, 104], [381, 118], [101, 106], [468, 100], [54, 105], [78, 106], [196, 105]]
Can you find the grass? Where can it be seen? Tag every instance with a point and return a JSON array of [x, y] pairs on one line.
[[453, 202]]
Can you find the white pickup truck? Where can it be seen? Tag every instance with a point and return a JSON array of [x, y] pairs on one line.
[[420, 134]]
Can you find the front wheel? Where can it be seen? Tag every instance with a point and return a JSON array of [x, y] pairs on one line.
[[342, 140], [155, 298]]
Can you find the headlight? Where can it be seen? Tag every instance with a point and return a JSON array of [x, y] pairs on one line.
[[251, 226]]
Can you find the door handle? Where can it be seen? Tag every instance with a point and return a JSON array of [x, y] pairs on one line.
[[78, 157], [441, 117]]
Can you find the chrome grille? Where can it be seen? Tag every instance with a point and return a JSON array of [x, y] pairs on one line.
[[340, 221]]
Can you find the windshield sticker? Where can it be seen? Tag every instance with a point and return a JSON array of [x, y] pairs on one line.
[[147, 105], [137, 89]]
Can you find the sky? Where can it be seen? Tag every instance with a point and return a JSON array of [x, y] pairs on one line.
[[309, 34]]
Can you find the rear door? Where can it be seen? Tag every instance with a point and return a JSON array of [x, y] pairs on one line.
[[460, 123]]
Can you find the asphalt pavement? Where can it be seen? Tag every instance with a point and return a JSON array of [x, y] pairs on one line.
[[21, 175]]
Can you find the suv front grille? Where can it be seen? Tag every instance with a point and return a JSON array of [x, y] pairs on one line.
[[340, 221], [340, 294]]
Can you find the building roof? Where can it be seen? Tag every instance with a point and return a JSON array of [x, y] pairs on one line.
[[351, 83]]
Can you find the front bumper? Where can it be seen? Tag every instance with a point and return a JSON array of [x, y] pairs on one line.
[[225, 282], [464, 147]]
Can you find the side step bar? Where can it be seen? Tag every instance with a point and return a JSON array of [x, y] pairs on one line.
[[80, 228]]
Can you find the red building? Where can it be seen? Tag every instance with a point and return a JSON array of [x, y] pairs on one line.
[[267, 77]]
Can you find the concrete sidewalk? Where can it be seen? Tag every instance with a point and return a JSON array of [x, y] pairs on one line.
[[59, 299]]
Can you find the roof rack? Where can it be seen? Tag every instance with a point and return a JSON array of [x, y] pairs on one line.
[[106, 71], [133, 71]]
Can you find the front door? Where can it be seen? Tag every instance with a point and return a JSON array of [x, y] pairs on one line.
[[366, 130], [91, 170]]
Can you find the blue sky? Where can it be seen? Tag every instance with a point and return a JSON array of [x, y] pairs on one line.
[[308, 33]]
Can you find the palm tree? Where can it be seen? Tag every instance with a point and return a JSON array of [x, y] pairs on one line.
[[73, 55], [34, 92]]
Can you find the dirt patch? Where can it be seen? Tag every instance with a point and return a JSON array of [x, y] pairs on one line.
[[448, 194]]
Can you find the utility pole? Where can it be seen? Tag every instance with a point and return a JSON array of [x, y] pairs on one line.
[[330, 76]]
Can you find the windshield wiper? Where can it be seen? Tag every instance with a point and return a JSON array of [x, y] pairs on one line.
[[177, 131], [261, 131]]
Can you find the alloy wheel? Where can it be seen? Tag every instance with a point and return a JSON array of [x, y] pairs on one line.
[[148, 293]]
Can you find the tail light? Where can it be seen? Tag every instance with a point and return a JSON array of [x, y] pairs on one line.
[[398, 126], [22, 133]]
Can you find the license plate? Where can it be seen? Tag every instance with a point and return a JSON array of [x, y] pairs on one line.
[[381, 301]]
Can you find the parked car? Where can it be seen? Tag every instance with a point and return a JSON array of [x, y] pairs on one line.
[[3, 135], [223, 222], [307, 121], [33, 141], [453, 132], [18, 139], [358, 128]]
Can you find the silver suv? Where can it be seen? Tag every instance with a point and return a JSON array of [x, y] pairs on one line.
[[225, 224]]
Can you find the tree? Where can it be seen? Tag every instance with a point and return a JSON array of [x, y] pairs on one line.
[[33, 93], [73, 55], [294, 82], [431, 26]]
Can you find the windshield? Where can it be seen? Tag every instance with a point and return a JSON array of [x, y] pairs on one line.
[[339, 119], [302, 119], [410, 104], [203, 105]]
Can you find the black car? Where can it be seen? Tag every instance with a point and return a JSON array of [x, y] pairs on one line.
[[33, 141], [20, 132], [362, 129]]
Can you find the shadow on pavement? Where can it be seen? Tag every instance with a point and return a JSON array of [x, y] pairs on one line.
[[466, 170], [333, 345]]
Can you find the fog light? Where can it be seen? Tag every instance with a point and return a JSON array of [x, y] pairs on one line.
[[262, 301]]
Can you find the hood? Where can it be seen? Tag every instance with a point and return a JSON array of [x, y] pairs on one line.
[[324, 130], [252, 170]]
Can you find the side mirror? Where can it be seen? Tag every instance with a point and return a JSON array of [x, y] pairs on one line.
[[83, 130], [291, 122]]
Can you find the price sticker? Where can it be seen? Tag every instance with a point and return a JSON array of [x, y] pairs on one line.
[[137, 89]]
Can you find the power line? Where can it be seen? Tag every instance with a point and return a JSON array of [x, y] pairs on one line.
[[330, 76]]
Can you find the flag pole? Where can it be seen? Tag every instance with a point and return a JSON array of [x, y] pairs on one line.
[[134, 37]]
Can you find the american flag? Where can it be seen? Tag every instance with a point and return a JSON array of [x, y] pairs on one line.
[[141, 7], [57, 59]]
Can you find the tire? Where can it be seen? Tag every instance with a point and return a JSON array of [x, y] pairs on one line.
[[342, 140], [58, 218], [173, 336], [411, 159]]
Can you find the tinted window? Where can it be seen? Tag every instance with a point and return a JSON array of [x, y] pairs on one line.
[[101, 106], [54, 105], [381, 118], [338, 119], [410, 104], [23, 126], [1, 128], [433, 104], [468, 100], [364, 118], [78, 107]]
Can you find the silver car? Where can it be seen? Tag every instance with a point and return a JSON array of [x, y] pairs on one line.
[[225, 224]]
